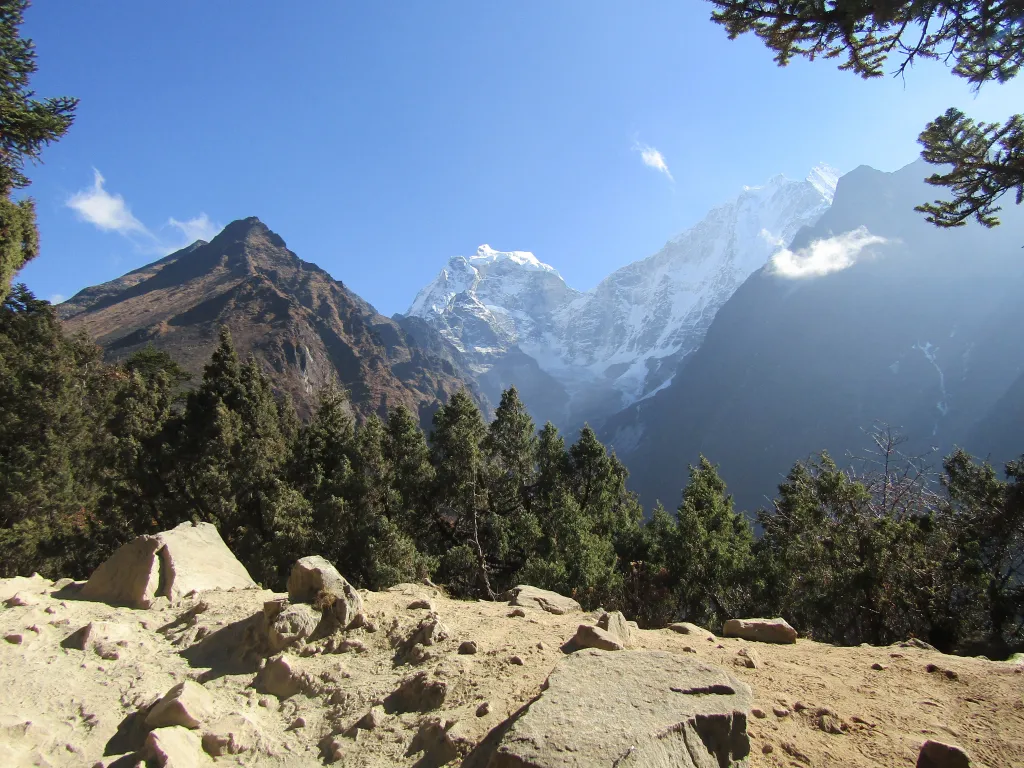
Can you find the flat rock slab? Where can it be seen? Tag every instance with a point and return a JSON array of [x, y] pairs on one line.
[[191, 557], [760, 630], [639, 708], [531, 597]]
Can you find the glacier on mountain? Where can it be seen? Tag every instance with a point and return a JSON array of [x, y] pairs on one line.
[[579, 356]]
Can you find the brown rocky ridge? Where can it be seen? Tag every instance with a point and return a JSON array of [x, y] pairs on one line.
[[307, 328], [216, 671]]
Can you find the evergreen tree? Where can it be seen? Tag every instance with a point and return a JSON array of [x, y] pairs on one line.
[[511, 455], [136, 498], [55, 396], [231, 462], [986, 518], [405, 448], [26, 127], [711, 560], [981, 39], [458, 503]]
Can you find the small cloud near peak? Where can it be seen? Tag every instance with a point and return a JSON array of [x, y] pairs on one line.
[[652, 158], [103, 210], [109, 212], [822, 257]]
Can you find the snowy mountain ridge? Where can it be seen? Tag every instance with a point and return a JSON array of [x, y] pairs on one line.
[[600, 351]]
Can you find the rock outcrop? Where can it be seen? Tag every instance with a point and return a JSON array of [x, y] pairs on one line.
[[626, 709], [760, 630], [191, 557]]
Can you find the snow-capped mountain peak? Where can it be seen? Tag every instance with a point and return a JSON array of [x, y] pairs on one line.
[[487, 255], [824, 179], [596, 352]]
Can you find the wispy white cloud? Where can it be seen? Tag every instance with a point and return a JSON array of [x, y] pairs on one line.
[[825, 256], [109, 212], [198, 228], [57, 298], [104, 210], [652, 158]]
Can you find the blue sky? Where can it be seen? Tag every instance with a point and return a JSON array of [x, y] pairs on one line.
[[379, 139]]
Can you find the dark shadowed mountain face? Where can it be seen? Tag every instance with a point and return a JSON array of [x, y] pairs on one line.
[[921, 332], [306, 327]]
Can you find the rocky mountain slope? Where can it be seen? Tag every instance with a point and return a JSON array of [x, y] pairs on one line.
[[872, 314], [307, 328], [196, 674], [581, 356]]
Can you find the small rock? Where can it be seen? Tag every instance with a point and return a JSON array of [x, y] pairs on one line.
[[335, 750], [516, 613], [297, 723], [936, 754], [616, 625], [540, 645], [879, 667], [915, 643], [948, 673], [21, 600], [231, 735], [781, 711], [760, 630], [759, 713], [747, 657], [314, 580], [516, 660], [483, 709], [187, 704], [15, 638], [291, 625], [419, 655], [468, 647], [283, 677], [174, 747], [689, 649], [430, 632], [829, 722], [799, 706], [372, 719], [417, 694], [420, 605], [767, 749], [686, 628], [589, 636]]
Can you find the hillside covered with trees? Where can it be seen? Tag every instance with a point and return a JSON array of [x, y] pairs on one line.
[[93, 454]]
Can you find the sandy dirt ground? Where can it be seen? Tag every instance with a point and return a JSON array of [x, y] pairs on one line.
[[815, 705]]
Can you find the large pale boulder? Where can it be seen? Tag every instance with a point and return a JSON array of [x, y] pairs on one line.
[[642, 708], [174, 747], [187, 704], [191, 557], [531, 597], [760, 630], [314, 580]]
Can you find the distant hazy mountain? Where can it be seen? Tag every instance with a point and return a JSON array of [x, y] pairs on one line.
[[306, 327], [582, 356], [881, 317]]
